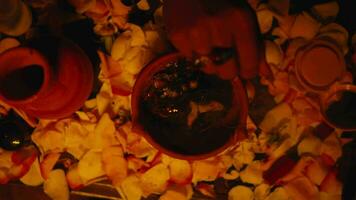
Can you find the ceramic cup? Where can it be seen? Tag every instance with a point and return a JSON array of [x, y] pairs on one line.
[[319, 64]]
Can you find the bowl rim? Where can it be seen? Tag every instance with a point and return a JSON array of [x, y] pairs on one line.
[[239, 94]]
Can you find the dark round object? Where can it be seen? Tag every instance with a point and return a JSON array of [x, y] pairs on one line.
[[11, 136], [129, 2], [164, 114]]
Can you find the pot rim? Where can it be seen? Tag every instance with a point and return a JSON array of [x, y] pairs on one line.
[[239, 95], [29, 56]]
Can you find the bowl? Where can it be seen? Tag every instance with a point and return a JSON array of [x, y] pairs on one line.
[[186, 113]]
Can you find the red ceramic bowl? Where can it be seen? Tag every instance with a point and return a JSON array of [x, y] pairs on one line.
[[179, 145], [51, 80]]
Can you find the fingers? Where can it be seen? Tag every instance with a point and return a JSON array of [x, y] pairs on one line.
[[228, 70], [220, 33], [246, 43], [194, 32], [176, 24], [180, 40], [183, 27], [225, 71], [208, 66], [191, 39], [178, 14], [200, 39]]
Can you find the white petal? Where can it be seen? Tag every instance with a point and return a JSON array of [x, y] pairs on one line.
[[143, 5], [262, 191], [274, 54], [280, 34], [327, 10], [138, 36], [332, 146], [120, 45], [48, 140], [310, 145], [56, 185], [155, 180], [156, 39], [204, 170], [75, 136], [252, 174], [137, 58], [278, 194], [275, 116], [305, 26], [8, 43], [327, 196], [131, 188], [243, 155], [302, 188], [103, 134], [90, 167], [240, 193], [158, 16], [265, 19], [33, 177], [280, 6]]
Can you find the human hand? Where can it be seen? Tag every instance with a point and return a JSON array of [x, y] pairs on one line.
[[196, 27]]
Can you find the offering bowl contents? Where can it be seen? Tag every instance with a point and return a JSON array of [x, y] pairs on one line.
[[184, 110], [22, 83]]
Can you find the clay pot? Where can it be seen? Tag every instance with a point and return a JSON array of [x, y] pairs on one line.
[[319, 64], [236, 115], [49, 78]]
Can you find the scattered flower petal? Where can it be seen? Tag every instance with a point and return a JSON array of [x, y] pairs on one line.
[[155, 180], [240, 193], [305, 26], [327, 10], [56, 185]]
